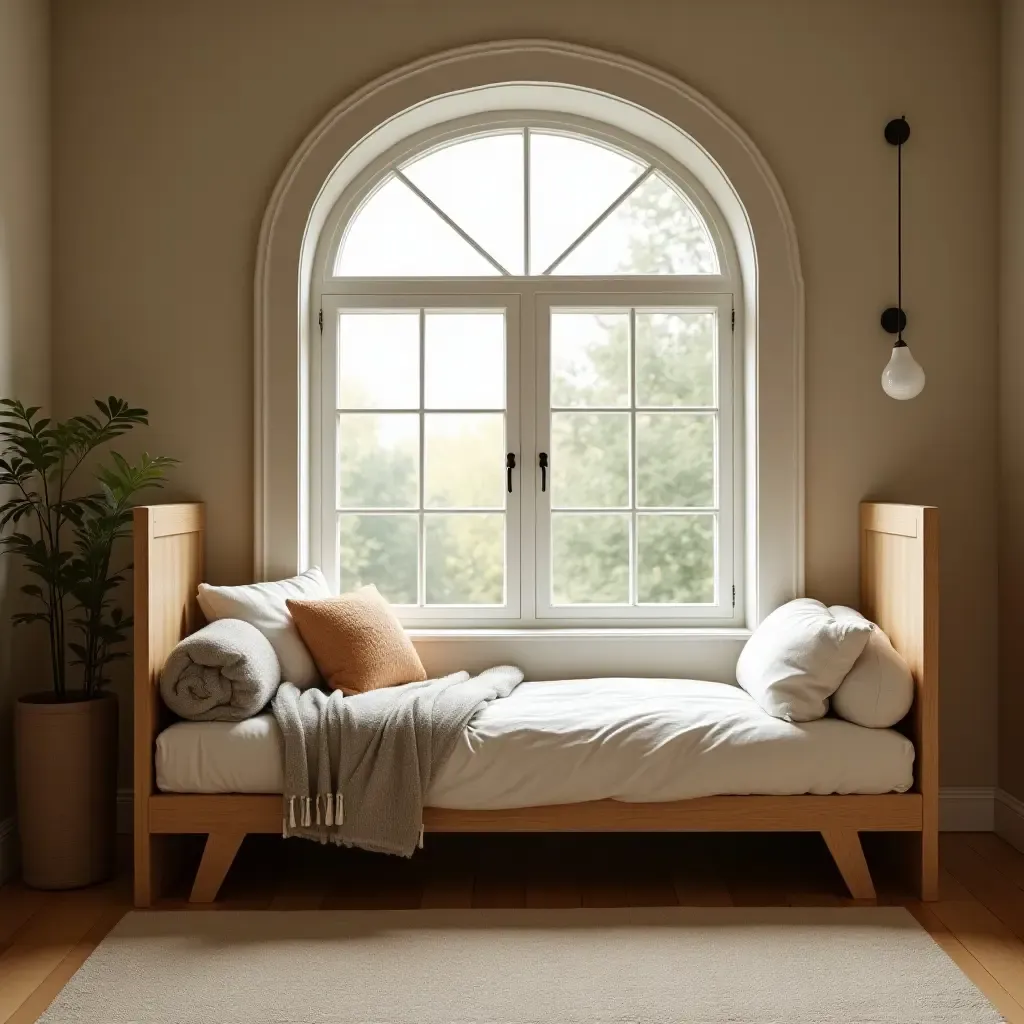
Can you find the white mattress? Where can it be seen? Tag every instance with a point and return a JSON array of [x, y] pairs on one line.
[[637, 740]]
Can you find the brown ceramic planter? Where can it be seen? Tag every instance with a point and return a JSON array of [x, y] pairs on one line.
[[66, 764]]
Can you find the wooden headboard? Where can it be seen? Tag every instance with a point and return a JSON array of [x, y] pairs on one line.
[[899, 589], [169, 560]]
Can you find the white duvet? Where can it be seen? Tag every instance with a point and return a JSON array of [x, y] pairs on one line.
[[637, 740]]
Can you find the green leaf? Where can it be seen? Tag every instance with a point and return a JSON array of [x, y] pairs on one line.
[[24, 618]]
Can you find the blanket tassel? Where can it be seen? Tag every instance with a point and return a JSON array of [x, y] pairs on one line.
[[318, 808], [307, 817], [291, 811], [328, 809], [421, 837], [339, 808]]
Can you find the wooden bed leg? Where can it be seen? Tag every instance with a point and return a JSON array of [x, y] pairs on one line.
[[157, 862], [218, 856], [147, 873], [844, 845], [929, 865]]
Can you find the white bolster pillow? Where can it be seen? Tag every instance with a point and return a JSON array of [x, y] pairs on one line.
[[879, 690]]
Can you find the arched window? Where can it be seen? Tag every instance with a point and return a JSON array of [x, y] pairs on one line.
[[526, 201], [527, 396]]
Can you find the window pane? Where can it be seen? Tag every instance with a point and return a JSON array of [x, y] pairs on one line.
[[465, 357], [589, 359], [653, 231], [675, 459], [382, 550], [396, 234], [479, 184], [589, 459], [572, 182], [378, 460], [465, 460], [675, 559], [465, 559], [675, 358], [589, 559], [379, 360]]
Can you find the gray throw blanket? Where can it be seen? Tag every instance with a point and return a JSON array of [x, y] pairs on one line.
[[357, 768], [224, 672]]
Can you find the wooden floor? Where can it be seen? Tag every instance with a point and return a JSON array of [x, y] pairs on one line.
[[979, 919]]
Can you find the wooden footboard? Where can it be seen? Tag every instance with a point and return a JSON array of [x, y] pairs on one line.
[[899, 590]]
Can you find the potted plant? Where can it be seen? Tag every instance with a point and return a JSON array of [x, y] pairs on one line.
[[66, 736]]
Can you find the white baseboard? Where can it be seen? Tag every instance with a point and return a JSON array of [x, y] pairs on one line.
[[982, 809], [961, 809], [1009, 818], [8, 850], [967, 809]]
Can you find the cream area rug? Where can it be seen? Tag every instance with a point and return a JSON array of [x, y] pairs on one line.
[[631, 966]]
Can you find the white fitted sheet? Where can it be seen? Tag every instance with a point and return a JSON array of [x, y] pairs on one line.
[[637, 740]]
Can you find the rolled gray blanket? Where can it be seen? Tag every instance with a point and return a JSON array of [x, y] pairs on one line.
[[224, 672]]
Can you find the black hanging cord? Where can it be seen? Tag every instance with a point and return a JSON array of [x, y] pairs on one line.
[[899, 236], [894, 319]]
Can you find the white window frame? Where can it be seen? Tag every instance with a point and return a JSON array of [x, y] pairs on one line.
[[728, 468], [325, 530], [531, 295], [559, 78]]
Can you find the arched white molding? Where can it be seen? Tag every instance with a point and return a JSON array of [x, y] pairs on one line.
[[578, 80]]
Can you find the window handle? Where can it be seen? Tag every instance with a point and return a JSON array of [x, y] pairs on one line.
[[543, 460], [510, 464]]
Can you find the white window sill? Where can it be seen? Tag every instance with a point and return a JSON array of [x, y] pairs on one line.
[[620, 652], [575, 653], [591, 635]]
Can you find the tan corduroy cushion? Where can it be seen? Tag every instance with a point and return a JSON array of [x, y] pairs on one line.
[[357, 642]]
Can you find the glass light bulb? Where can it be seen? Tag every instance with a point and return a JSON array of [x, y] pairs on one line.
[[902, 377]]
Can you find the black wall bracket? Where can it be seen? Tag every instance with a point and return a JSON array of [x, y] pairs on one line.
[[893, 320], [897, 131]]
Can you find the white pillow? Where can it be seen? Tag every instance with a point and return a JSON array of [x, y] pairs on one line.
[[879, 690], [797, 658], [263, 605]]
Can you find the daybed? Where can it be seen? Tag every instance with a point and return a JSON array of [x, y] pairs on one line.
[[584, 755]]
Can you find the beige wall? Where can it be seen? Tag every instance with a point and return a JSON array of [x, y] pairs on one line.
[[1011, 403], [24, 294], [174, 118]]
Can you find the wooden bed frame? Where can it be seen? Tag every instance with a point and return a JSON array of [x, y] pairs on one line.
[[899, 591]]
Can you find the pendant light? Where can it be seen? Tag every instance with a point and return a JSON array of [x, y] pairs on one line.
[[902, 377]]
